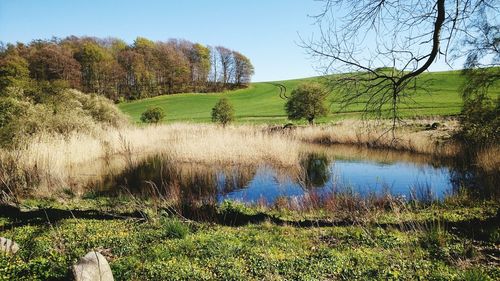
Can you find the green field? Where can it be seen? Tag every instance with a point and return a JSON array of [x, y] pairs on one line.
[[260, 103]]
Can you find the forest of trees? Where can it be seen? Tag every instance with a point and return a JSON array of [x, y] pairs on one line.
[[120, 71]]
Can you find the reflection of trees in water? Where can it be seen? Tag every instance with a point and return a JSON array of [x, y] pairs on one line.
[[191, 185], [234, 178], [477, 183], [315, 171], [178, 183]]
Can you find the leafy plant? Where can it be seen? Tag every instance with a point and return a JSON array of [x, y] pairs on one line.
[[175, 229], [307, 101], [223, 112], [153, 115]]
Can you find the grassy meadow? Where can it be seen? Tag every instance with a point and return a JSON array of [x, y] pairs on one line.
[[260, 103], [169, 249], [53, 199]]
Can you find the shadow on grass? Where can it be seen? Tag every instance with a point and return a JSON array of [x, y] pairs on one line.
[[18, 217], [475, 228]]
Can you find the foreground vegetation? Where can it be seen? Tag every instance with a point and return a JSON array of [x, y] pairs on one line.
[[50, 209], [453, 240]]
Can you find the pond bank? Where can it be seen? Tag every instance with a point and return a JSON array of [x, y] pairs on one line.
[[446, 241]]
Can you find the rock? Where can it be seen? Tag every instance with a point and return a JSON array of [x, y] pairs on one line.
[[435, 125], [92, 267], [8, 246]]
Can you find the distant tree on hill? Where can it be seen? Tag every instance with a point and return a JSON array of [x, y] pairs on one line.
[[153, 115], [14, 72], [307, 101], [226, 63], [223, 112], [243, 69]]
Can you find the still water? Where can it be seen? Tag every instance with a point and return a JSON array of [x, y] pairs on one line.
[[322, 170]]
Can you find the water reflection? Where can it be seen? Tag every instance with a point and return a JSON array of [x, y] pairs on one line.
[[316, 170], [322, 170]]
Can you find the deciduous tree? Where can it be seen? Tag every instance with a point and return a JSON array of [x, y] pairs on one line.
[[307, 101]]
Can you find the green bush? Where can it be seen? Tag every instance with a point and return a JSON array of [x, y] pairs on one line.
[[153, 115], [307, 101], [175, 229], [12, 112], [67, 112], [101, 109], [223, 112], [480, 120]]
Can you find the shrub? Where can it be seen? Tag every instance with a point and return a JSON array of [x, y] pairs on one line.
[[223, 112], [100, 109], [67, 112], [12, 111], [175, 229], [153, 115], [307, 101], [481, 120]]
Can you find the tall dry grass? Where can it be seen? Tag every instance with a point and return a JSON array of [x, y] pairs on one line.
[[489, 159], [72, 161], [51, 162], [378, 134]]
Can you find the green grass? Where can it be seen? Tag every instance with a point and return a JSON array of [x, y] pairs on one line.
[[260, 103], [147, 251]]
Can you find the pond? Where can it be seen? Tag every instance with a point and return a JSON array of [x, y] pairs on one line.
[[322, 171]]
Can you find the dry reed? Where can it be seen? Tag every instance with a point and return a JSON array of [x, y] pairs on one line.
[[410, 137], [68, 162], [489, 159]]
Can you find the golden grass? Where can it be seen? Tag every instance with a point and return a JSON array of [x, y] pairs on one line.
[[410, 137], [73, 161], [50, 162], [489, 159]]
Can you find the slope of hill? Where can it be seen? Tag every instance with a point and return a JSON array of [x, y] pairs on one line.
[[261, 103]]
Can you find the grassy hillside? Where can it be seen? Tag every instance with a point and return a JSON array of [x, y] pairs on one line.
[[260, 103]]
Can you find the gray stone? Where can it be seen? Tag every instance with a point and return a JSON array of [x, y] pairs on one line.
[[8, 246], [92, 267]]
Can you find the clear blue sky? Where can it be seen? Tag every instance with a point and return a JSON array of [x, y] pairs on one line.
[[264, 30]]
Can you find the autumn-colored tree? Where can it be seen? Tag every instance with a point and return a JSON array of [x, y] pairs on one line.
[[117, 70], [200, 64], [14, 72], [91, 57], [173, 68], [52, 62]]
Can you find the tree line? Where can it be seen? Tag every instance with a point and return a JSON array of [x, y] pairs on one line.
[[119, 71]]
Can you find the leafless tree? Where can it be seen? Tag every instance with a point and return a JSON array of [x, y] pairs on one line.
[[226, 62], [382, 46]]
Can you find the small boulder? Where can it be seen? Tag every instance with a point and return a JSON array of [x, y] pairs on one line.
[[8, 246], [92, 267]]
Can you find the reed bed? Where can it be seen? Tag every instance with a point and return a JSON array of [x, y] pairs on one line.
[[489, 159], [378, 134], [51, 161]]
